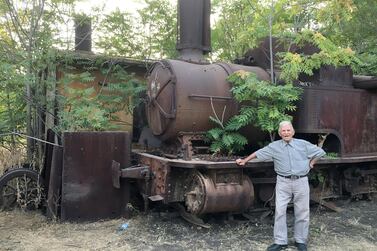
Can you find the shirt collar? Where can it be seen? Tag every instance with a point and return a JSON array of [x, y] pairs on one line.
[[287, 143]]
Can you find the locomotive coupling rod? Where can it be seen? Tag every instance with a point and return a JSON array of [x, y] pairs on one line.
[[132, 172]]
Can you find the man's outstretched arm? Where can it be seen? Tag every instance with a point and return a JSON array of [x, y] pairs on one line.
[[242, 162]]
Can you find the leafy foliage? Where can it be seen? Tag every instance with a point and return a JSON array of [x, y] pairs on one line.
[[12, 105], [242, 24], [149, 34], [368, 63], [28, 35], [93, 109], [82, 111], [292, 64], [233, 31], [225, 139], [317, 177], [331, 155], [264, 104]]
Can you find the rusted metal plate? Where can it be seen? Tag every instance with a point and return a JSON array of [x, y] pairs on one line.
[[346, 113], [48, 154], [161, 172], [55, 183], [87, 188], [335, 76]]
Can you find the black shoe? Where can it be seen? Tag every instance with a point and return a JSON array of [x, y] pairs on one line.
[[301, 246], [276, 247]]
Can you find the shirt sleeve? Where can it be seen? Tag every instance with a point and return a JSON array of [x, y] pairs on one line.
[[314, 151], [265, 153]]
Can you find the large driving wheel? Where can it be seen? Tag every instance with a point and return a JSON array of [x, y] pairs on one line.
[[21, 187]]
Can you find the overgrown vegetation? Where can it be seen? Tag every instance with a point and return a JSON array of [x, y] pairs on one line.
[[263, 105], [96, 107], [225, 139], [292, 64], [32, 31], [149, 34]]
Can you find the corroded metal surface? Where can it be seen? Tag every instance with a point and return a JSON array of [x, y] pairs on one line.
[[365, 82], [186, 140], [209, 187], [48, 155], [182, 96], [55, 184], [252, 165], [348, 114], [194, 36], [208, 194], [160, 174], [357, 181], [87, 189]]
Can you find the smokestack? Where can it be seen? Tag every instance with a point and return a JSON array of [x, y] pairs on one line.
[[194, 36], [83, 33]]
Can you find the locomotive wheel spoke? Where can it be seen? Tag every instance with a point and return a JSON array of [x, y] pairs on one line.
[[22, 188], [10, 187]]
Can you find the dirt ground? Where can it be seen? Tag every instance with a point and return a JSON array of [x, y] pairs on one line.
[[355, 228]]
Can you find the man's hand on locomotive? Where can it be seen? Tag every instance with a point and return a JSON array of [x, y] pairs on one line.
[[312, 163], [240, 162]]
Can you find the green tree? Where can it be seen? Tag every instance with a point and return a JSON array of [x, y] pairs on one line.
[[149, 34], [90, 109], [28, 34], [159, 19], [233, 30], [292, 63], [354, 27], [12, 105], [242, 24], [263, 104]]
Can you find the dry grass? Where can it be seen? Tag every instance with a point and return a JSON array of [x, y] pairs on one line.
[[8, 159], [32, 231], [353, 229]]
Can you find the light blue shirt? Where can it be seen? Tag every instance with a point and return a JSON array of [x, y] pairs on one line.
[[290, 158]]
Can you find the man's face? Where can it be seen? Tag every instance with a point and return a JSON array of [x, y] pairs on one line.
[[286, 132]]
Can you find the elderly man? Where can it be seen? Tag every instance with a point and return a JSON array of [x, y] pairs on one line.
[[293, 159]]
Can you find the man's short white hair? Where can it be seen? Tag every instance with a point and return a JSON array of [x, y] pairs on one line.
[[284, 123]]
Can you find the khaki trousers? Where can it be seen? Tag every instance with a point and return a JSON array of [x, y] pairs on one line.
[[298, 190]]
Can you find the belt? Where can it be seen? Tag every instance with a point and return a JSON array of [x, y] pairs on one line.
[[293, 177]]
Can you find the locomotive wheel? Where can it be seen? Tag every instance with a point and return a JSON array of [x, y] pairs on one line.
[[21, 187], [195, 198]]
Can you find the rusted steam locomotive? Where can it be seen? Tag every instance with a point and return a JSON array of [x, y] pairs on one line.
[[182, 94]]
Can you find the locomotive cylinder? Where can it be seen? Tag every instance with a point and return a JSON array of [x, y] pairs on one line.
[[206, 196], [182, 96]]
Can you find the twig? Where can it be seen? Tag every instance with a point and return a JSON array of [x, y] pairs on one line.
[[217, 117]]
